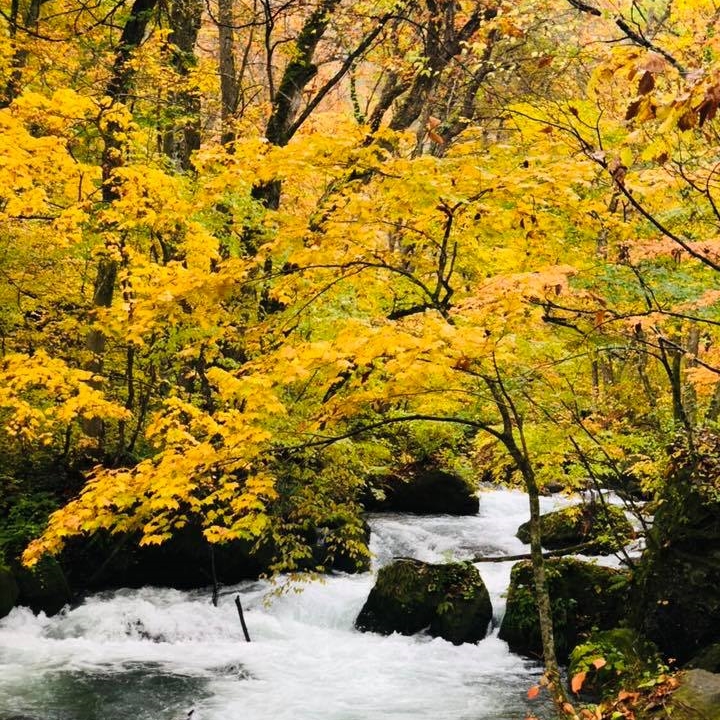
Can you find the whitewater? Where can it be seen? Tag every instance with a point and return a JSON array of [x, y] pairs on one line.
[[160, 654]]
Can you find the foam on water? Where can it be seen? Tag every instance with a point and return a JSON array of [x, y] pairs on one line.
[[305, 660]]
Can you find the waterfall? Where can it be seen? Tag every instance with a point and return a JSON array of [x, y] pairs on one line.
[[156, 654]]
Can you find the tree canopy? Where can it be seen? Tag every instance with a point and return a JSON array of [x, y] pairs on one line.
[[242, 243]]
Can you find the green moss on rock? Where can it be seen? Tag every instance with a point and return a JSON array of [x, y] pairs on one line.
[[601, 528], [450, 600], [583, 596], [698, 697]]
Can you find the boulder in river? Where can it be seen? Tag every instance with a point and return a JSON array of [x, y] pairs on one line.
[[8, 591], [422, 490], [600, 528], [450, 600], [584, 597]]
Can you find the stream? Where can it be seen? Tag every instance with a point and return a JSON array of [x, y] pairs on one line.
[[157, 654]]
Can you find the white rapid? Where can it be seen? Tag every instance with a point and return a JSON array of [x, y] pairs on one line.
[[155, 654]]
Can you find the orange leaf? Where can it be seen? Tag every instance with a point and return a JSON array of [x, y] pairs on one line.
[[577, 681], [437, 139], [568, 708], [599, 663], [533, 692]]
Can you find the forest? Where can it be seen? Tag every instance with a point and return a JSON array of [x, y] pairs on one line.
[[267, 266]]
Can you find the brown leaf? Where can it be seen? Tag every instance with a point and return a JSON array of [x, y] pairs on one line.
[[687, 121], [437, 139], [653, 63], [433, 122], [545, 61], [646, 84], [633, 109], [568, 708], [662, 158], [707, 110]]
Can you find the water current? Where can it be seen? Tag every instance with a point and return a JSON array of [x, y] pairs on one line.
[[158, 654]]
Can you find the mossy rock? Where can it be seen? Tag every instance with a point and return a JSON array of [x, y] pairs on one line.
[[450, 600], [44, 588], [422, 490], [8, 591], [697, 698], [629, 659], [601, 529], [584, 597]]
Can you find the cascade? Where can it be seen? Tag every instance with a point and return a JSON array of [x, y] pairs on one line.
[[157, 654]]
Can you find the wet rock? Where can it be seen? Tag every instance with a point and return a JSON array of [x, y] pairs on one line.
[[628, 659], [8, 591], [601, 529], [450, 600], [184, 562], [423, 491], [584, 597]]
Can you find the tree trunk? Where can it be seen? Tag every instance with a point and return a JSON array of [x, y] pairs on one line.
[[229, 94], [181, 140], [112, 158], [20, 57]]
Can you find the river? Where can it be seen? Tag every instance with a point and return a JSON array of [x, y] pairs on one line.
[[158, 654]]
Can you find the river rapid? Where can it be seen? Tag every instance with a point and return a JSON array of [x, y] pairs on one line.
[[158, 654]]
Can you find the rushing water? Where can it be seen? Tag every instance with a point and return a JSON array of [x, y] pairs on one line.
[[157, 654]]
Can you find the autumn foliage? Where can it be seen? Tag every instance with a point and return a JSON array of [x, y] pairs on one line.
[[220, 254]]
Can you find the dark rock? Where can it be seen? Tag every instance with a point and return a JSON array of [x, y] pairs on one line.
[[629, 659], [601, 529], [707, 659], [44, 588], [678, 598], [584, 597], [422, 491], [184, 562], [8, 591], [450, 600]]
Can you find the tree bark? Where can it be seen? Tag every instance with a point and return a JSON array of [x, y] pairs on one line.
[[181, 140], [112, 158], [229, 94], [20, 57]]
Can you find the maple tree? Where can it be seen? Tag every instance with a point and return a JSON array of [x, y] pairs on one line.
[[487, 220]]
